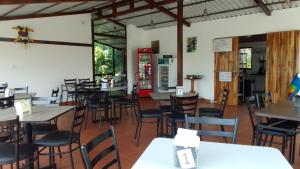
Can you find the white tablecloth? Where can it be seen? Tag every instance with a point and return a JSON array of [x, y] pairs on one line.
[[159, 155]]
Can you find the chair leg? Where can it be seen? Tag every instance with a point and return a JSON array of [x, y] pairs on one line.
[[265, 140], [71, 157], [157, 127], [59, 151], [120, 111], [87, 116], [283, 145], [139, 134], [271, 141], [291, 148], [100, 121], [136, 130], [132, 118]]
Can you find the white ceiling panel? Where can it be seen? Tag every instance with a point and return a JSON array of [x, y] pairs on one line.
[[29, 9]]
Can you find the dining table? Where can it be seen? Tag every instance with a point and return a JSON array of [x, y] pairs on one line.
[[19, 96], [211, 155], [41, 113]]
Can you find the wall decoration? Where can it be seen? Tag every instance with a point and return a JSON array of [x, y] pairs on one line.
[[23, 35], [191, 44], [155, 46]]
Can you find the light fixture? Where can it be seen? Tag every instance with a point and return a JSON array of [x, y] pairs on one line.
[[151, 21], [205, 13]]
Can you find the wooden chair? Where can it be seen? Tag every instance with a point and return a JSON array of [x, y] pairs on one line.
[[91, 162], [214, 121]]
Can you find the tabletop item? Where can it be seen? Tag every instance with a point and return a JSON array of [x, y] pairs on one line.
[[213, 155], [166, 95]]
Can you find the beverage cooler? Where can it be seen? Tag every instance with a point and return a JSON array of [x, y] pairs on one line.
[[145, 78], [167, 74]]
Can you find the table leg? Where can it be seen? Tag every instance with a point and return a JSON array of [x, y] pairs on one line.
[[192, 86], [28, 139]]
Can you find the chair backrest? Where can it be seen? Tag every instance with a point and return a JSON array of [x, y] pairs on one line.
[[251, 106], [21, 89], [78, 119], [44, 101], [106, 150], [263, 99], [89, 84], [10, 129], [83, 80], [184, 104], [6, 102], [214, 121], [224, 100], [70, 84], [55, 93], [134, 94], [3, 86]]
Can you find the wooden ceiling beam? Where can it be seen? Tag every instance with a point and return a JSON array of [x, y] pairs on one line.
[[167, 12], [110, 35], [41, 15], [12, 2], [116, 22], [130, 10], [263, 7]]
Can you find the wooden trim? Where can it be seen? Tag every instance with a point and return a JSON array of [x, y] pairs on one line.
[[110, 35], [180, 42], [49, 42], [263, 7]]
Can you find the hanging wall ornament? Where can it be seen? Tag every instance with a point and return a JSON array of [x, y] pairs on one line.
[[23, 35]]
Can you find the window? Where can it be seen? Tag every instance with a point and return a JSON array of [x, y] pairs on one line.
[[108, 61], [246, 58]]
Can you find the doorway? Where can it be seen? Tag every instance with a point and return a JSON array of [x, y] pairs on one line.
[[252, 67]]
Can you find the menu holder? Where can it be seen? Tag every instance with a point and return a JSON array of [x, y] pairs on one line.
[[186, 144], [179, 90], [23, 107]]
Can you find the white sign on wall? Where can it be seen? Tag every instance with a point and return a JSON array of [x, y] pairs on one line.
[[222, 45], [225, 76]]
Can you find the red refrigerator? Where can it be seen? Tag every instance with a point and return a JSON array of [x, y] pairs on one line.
[[145, 83]]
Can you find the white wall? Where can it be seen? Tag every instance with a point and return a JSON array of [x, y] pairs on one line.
[[202, 61], [136, 38], [44, 66]]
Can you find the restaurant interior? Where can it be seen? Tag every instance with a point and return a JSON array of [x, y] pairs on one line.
[[150, 84]]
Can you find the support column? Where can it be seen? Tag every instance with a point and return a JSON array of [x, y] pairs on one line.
[[180, 42]]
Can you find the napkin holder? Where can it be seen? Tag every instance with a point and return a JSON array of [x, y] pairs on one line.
[[23, 107], [9, 92], [297, 101], [179, 90], [186, 144]]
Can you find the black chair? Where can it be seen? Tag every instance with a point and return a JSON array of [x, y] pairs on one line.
[[7, 102], [181, 105], [83, 80], [3, 87], [191, 121], [12, 151], [21, 89], [143, 116], [55, 93], [91, 162], [269, 128], [215, 112], [45, 127], [128, 103], [70, 85], [61, 138]]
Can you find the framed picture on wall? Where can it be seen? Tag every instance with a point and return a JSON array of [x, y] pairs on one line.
[[155, 46], [191, 44]]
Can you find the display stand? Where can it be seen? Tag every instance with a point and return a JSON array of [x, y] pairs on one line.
[[192, 78]]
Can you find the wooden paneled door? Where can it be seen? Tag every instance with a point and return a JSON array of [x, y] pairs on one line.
[[227, 61], [281, 62]]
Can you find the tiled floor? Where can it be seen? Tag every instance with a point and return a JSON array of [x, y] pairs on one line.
[[129, 152]]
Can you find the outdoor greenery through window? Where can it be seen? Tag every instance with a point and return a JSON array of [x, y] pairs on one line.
[[108, 60], [246, 58]]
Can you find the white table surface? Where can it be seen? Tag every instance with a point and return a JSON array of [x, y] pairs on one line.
[[39, 113], [19, 96], [159, 155]]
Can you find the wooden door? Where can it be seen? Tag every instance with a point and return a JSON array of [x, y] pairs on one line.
[[227, 61], [281, 62]]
